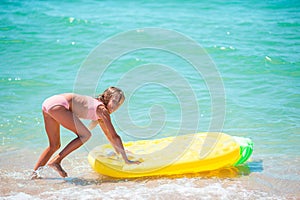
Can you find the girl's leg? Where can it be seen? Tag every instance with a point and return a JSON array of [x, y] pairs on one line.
[[53, 133], [71, 122]]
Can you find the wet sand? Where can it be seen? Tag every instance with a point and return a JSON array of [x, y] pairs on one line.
[[254, 181]]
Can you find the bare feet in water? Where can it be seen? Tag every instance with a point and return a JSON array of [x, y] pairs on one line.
[[57, 167], [34, 176]]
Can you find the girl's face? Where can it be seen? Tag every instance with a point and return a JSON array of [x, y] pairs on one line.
[[113, 105]]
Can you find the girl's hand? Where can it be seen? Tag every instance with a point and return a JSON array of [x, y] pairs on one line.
[[130, 162]]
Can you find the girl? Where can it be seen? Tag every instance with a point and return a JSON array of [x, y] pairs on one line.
[[65, 110]]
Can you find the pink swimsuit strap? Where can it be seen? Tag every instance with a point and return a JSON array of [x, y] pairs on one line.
[[92, 109]]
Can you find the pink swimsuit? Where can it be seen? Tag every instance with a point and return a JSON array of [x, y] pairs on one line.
[[92, 108], [89, 108], [56, 100]]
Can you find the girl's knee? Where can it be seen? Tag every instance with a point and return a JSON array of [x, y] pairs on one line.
[[54, 147], [85, 137]]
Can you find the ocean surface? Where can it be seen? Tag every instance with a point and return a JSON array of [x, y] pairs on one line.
[[249, 87]]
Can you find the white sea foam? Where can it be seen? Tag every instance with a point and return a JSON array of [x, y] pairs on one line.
[[183, 188], [88, 185], [20, 196]]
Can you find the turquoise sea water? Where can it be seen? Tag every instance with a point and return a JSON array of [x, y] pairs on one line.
[[254, 45]]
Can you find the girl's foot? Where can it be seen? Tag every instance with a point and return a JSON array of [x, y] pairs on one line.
[[57, 167], [34, 175]]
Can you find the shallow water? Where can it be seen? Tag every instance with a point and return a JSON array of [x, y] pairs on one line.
[[254, 46], [252, 181]]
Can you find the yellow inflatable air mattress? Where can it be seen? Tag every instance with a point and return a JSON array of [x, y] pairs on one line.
[[190, 153]]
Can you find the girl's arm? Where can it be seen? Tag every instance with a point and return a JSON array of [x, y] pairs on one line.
[[111, 134]]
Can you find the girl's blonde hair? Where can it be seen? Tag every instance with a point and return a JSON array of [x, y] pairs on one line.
[[113, 93]]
